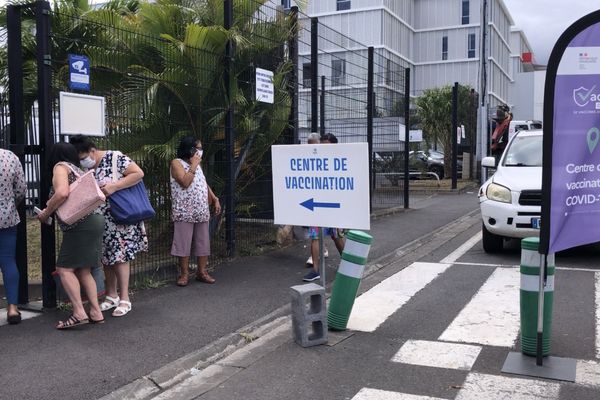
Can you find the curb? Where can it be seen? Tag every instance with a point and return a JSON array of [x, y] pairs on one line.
[[209, 362]]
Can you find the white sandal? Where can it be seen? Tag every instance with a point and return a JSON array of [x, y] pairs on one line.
[[109, 303], [121, 311]]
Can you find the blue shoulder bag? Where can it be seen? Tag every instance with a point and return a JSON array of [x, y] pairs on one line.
[[131, 205]]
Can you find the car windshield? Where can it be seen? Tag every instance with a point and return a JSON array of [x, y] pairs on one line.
[[524, 151]]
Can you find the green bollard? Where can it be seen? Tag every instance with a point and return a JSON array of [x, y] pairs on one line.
[[347, 279], [530, 275]]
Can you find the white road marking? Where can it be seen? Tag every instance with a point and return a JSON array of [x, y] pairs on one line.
[[376, 394], [375, 306], [438, 354], [493, 387], [24, 315], [474, 264], [597, 275], [458, 253], [588, 373], [492, 317]]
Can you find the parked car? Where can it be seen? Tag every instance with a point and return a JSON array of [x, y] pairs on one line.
[[511, 199], [391, 163], [528, 125]]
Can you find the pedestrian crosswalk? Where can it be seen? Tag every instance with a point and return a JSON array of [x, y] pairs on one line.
[[391, 294], [490, 317]]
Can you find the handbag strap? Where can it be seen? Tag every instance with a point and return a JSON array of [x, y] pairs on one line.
[[115, 160], [68, 165]]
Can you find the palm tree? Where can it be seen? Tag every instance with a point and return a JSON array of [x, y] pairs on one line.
[[160, 67]]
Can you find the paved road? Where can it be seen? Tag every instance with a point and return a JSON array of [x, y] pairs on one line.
[[168, 323], [437, 324]]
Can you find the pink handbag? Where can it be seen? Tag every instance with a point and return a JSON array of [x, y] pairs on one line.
[[84, 197]]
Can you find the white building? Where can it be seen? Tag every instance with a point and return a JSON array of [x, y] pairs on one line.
[[440, 40]]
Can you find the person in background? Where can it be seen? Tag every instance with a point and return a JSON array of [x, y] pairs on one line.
[[12, 192], [81, 247], [191, 198], [337, 235], [121, 242], [314, 138]]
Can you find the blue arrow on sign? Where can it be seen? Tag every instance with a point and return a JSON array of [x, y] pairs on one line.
[[311, 204]]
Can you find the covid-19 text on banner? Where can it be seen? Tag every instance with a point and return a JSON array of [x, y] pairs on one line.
[[323, 185]]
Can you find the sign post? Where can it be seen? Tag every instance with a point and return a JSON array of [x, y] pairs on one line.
[[321, 185], [571, 160]]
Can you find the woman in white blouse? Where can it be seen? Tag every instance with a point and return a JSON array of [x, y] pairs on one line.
[[12, 191]]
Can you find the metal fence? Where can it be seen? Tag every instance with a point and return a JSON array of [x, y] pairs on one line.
[[171, 72], [358, 93]]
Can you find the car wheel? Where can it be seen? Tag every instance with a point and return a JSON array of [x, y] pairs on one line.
[[439, 171], [491, 243]]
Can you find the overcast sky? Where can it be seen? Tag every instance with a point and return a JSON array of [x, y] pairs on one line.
[[545, 20]]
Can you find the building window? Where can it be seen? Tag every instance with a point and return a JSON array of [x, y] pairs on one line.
[[465, 12], [306, 74], [286, 4], [444, 47], [343, 5], [338, 72], [471, 46]]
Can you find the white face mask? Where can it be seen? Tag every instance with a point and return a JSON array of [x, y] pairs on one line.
[[88, 163], [200, 152]]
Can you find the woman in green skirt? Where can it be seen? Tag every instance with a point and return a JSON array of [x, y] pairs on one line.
[[81, 247]]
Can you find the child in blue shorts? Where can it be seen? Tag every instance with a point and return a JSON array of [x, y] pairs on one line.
[[337, 235]]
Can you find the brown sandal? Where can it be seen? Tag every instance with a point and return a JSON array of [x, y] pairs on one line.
[[205, 277], [71, 322], [183, 280]]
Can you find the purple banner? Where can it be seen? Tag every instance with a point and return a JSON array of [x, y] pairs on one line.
[[575, 190]]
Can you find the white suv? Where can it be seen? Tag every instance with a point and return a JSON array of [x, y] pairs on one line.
[[511, 199]]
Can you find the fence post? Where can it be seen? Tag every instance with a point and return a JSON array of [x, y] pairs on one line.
[[293, 54], [370, 101], [314, 74], [17, 132], [322, 124], [46, 136], [454, 134], [406, 135], [229, 136]]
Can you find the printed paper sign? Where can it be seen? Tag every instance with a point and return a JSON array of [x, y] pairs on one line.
[[265, 90]]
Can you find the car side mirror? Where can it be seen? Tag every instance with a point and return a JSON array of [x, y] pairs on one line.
[[488, 162]]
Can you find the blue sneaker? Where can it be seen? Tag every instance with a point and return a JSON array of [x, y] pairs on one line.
[[311, 276]]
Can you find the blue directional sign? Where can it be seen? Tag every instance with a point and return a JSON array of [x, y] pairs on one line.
[[311, 204], [79, 72], [324, 185]]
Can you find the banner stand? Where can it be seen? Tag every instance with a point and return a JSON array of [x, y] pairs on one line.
[[557, 368]]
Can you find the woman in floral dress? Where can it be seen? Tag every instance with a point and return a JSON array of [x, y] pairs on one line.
[[121, 242], [191, 198]]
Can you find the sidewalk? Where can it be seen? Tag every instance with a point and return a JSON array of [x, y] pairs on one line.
[[169, 323]]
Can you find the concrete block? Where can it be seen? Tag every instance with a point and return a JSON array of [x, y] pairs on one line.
[[309, 315]]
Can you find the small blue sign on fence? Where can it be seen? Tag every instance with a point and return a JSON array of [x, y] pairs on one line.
[[79, 72]]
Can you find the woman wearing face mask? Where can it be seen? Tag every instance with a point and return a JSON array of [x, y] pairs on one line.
[[121, 242], [191, 198]]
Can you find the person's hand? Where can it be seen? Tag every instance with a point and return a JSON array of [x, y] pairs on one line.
[[43, 216], [217, 207], [108, 188], [195, 160]]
